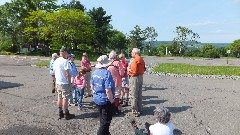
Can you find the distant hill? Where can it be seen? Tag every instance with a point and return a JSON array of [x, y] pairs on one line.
[[197, 45]]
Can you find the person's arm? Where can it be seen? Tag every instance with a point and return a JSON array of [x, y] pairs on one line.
[[133, 68], [68, 75], [109, 95], [75, 81], [89, 68], [83, 82]]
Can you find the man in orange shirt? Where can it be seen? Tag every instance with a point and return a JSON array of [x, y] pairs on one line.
[[136, 71]]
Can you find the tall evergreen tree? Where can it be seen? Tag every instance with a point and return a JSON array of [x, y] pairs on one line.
[[103, 28]]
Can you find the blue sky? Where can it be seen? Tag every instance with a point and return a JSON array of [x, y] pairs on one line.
[[216, 21]]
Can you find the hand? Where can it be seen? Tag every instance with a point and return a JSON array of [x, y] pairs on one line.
[[112, 101]]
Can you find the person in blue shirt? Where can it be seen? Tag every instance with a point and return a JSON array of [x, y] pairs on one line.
[[74, 72], [102, 85], [54, 57]]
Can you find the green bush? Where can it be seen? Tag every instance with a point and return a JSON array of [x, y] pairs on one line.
[[5, 53]]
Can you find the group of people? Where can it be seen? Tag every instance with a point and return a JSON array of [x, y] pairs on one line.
[[112, 83], [69, 82]]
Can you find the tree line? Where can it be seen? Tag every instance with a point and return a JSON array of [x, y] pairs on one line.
[[30, 23]]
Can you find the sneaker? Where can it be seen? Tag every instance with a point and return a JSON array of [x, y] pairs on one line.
[[80, 108], [72, 104], [125, 104], [69, 116]]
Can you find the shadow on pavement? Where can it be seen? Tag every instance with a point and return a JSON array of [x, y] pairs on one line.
[[146, 102], [87, 115], [148, 110], [7, 76], [27, 130], [178, 109], [149, 97], [177, 132], [153, 88], [6, 85]]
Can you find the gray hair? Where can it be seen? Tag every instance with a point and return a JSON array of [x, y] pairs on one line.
[[136, 50], [162, 114]]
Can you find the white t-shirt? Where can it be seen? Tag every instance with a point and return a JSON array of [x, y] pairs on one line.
[[162, 129], [60, 66]]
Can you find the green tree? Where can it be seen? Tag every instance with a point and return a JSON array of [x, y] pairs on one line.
[[71, 28], [137, 37], [185, 36], [208, 50], [102, 26], [118, 41], [73, 5], [161, 49], [150, 35], [13, 15], [235, 48]]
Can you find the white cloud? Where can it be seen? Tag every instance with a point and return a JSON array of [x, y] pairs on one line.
[[207, 22]]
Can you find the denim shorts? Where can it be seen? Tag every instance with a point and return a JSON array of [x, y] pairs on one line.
[[125, 82], [64, 91]]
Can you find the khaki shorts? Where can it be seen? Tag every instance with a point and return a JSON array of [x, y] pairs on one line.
[[64, 91]]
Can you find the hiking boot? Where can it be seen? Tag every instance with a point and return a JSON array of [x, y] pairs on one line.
[[61, 115], [69, 116], [53, 90], [116, 111], [125, 104]]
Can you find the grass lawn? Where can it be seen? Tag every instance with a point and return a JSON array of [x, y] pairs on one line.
[[180, 68], [43, 64]]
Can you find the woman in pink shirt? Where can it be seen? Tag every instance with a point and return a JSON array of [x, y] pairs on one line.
[[125, 82], [117, 72], [80, 83]]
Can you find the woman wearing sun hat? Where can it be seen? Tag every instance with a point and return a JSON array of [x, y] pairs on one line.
[[103, 94]]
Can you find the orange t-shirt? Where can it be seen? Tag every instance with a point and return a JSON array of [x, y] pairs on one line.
[[137, 66]]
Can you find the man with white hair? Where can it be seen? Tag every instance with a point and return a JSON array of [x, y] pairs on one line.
[[54, 57], [162, 127], [117, 72], [136, 71]]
